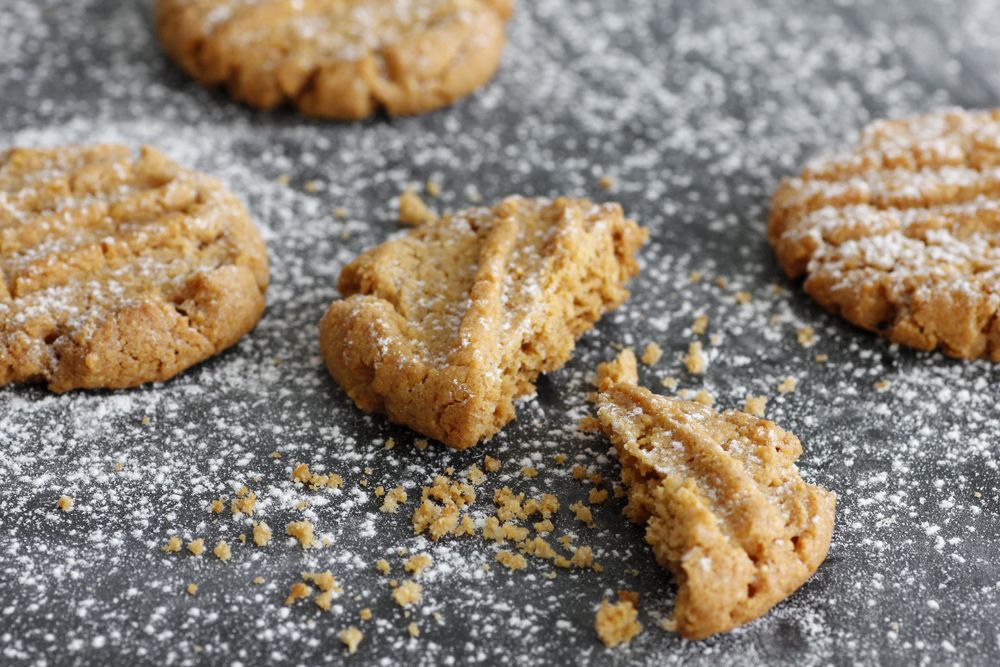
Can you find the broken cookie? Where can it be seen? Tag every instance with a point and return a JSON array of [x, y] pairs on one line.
[[442, 328], [725, 508]]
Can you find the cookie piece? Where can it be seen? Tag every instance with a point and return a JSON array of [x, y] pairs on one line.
[[117, 269], [341, 59], [442, 328], [900, 234], [724, 506]]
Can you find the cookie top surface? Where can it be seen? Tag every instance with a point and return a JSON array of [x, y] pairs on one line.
[[441, 328], [118, 269], [725, 507], [900, 234], [338, 58]]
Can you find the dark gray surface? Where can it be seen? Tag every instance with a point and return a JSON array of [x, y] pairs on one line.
[[697, 109]]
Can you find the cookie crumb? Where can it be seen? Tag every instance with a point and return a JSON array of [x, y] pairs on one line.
[[616, 623], [192, 589], [743, 297], [312, 186], [258, 580], [582, 513], [222, 551], [607, 182], [417, 564], [529, 472], [704, 397], [393, 499], [433, 188], [351, 637], [491, 464], [670, 382], [560, 458], [806, 336], [822, 358], [511, 560], [196, 547], [408, 593], [340, 213], [882, 385], [365, 614], [651, 354], [412, 209], [695, 276], [65, 503], [298, 591], [695, 360], [261, 533], [413, 629], [722, 282], [597, 496], [302, 531], [382, 565], [787, 385], [173, 545], [700, 325], [755, 405]]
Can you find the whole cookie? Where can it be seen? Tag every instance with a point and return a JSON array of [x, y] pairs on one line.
[[724, 506], [117, 269], [340, 59], [443, 328], [901, 233]]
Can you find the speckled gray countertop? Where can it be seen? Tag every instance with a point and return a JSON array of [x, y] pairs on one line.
[[696, 109]]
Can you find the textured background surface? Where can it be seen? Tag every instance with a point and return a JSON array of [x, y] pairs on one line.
[[696, 109]]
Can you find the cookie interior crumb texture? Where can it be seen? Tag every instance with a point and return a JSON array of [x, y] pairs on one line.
[[724, 506], [336, 59], [443, 328], [118, 269]]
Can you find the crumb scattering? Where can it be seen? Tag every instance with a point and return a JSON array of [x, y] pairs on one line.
[[408, 593], [303, 532], [196, 547], [261, 533], [616, 623], [695, 360], [651, 354], [351, 637], [222, 551]]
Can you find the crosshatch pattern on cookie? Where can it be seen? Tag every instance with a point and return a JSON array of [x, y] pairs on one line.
[[118, 269], [900, 234], [442, 328], [724, 506], [338, 58]]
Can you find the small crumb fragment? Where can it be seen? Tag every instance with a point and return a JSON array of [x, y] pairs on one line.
[[65, 503], [244, 502], [651, 354], [695, 276], [700, 325], [582, 557], [302, 531], [597, 496], [408, 593], [822, 358], [312, 186], [299, 591], [882, 385], [261, 533], [787, 385], [743, 297], [222, 551], [382, 565], [617, 623], [258, 580], [529, 472], [420, 443], [351, 637], [393, 499], [582, 513], [560, 458], [433, 188], [475, 475], [192, 589], [544, 526], [806, 336], [722, 282], [283, 179], [340, 212], [412, 209], [755, 405], [511, 560], [413, 629], [323, 580], [173, 545], [196, 547], [491, 464], [607, 182], [365, 614], [695, 360], [704, 397], [417, 564], [670, 382], [218, 505]]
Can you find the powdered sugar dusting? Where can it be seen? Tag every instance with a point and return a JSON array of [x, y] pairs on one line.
[[696, 109]]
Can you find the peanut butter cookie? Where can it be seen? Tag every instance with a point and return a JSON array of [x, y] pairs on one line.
[[900, 234], [118, 269], [340, 59], [441, 329], [724, 506]]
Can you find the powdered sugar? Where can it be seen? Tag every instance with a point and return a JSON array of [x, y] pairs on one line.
[[697, 109]]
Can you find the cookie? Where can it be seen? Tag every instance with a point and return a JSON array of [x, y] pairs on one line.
[[117, 269], [441, 329], [343, 59], [724, 506], [900, 234]]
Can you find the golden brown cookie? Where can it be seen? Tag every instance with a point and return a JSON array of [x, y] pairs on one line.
[[338, 58], [117, 269], [442, 328], [900, 234], [724, 506]]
